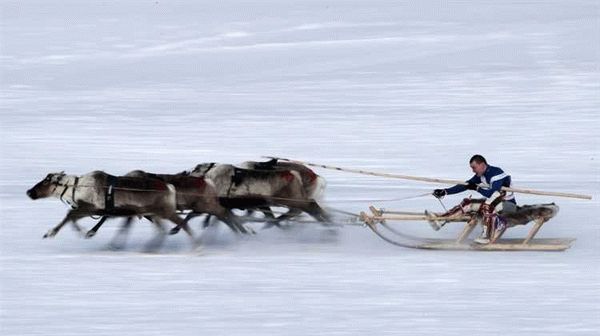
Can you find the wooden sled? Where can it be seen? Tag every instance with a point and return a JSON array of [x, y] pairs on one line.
[[377, 222]]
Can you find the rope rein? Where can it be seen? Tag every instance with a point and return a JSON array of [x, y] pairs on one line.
[[442, 203]]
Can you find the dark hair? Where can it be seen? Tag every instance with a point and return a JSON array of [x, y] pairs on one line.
[[478, 158]]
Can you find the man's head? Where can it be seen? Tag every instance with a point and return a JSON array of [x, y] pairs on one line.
[[478, 164]]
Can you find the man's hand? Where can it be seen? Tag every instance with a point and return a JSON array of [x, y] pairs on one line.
[[471, 186], [439, 193]]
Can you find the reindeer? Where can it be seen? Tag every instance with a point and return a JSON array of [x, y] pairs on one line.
[[193, 193], [250, 189], [313, 184], [101, 194]]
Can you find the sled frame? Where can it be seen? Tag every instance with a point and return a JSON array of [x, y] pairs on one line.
[[529, 243]]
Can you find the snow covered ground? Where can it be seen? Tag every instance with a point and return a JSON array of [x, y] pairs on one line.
[[412, 88]]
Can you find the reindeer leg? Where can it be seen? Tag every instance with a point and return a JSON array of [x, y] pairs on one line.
[[312, 208], [92, 231], [330, 233], [156, 242], [267, 212], [76, 227], [118, 241], [318, 213], [292, 212], [189, 217], [182, 224], [276, 221], [234, 224], [206, 222], [72, 216], [271, 220]]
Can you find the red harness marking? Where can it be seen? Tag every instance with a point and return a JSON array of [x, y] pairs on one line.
[[158, 185], [312, 176], [287, 175], [199, 183]]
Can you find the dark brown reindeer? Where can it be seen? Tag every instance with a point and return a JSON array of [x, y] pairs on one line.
[[259, 189], [192, 193], [101, 194]]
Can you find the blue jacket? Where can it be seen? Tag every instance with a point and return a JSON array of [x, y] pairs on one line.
[[493, 180]]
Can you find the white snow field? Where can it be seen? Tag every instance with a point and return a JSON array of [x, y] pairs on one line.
[[406, 87]]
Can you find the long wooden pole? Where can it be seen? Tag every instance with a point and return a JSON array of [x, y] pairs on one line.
[[433, 180]]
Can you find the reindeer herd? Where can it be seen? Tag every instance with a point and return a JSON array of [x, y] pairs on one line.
[[210, 189]]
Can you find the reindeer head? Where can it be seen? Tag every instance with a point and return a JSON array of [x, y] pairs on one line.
[[47, 186]]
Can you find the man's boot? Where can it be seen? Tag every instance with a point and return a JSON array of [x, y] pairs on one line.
[[433, 220], [488, 220], [484, 238]]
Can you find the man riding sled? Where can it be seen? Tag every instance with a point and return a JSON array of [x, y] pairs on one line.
[[488, 181]]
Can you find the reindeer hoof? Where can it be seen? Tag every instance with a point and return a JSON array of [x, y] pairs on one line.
[[90, 234], [50, 234], [174, 231]]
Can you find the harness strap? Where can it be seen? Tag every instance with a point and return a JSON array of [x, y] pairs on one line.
[[72, 203], [109, 198], [74, 187], [66, 185], [238, 176]]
